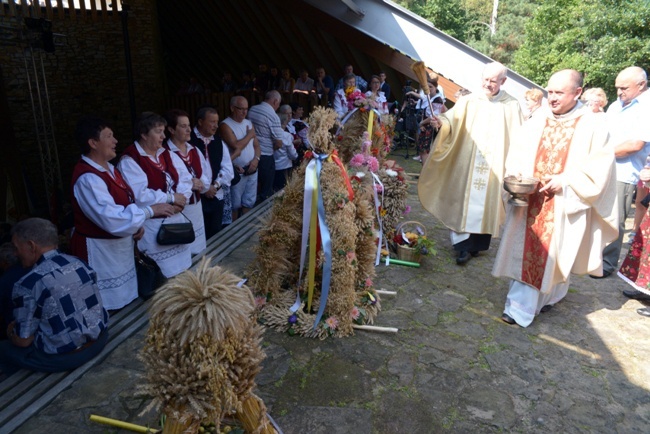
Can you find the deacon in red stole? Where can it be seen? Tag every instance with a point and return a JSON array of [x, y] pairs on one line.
[[573, 213]]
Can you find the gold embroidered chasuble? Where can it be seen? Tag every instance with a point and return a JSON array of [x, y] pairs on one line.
[[550, 160], [461, 181]]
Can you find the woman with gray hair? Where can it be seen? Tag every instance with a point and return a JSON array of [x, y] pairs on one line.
[[595, 98], [158, 176], [106, 218]]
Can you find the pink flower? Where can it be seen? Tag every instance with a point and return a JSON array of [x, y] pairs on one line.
[[260, 301], [332, 323], [357, 160], [354, 313], [379, 188], [351, 256], [368, 281], [407, 210], [373, 164], [356, 95]]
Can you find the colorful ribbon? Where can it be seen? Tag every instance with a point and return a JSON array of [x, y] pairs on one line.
[[313, 217], [334, 156], [378, 205], [349, 115]]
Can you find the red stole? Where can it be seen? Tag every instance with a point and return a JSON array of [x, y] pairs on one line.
[[193, 164], [552, 153], [156, 172], [84, 227]]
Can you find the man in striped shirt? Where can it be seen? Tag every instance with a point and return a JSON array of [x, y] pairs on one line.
[[269, 135]]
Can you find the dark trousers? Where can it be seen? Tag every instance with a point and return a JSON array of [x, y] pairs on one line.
[[611, 254], [212, 216], [475, 243], [281, 178], [13, 358], [265, 176]]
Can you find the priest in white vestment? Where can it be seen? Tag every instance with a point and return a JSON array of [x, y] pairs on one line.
[[461, 180], [572, 215]]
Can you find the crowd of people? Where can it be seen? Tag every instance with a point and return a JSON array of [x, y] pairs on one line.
[[56, 306], [584, 167], [321, 88]]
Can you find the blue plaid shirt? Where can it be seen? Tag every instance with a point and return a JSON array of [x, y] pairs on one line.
[[58, 302]]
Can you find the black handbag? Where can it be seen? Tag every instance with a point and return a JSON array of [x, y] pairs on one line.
[[148, 273], [175, 233], [236, 178]]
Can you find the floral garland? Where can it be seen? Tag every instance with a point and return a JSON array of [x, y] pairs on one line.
[[357, 99]]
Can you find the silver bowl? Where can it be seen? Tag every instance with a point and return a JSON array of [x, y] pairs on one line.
[[520, 188]]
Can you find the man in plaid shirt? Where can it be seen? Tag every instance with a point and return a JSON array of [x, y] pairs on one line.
[[60, 322]]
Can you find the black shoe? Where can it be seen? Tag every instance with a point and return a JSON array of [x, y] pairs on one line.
[[474, 254], [636, 295], [508, 319], [645, 311], [546, 308], [605, 274], [463, 257]]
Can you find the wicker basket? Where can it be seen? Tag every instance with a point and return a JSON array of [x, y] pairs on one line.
[[406, 253], [410, 254]]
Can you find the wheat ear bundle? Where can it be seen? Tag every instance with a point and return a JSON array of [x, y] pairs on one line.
[[420, 72]]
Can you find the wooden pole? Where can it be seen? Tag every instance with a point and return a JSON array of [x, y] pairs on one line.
[[375, 328], [123, 425]]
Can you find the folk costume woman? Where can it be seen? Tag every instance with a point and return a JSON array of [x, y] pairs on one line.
[[375, 94], [179, 132], [158, 176], [106, 217]]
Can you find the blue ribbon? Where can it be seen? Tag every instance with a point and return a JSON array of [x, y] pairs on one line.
[[312, 173]]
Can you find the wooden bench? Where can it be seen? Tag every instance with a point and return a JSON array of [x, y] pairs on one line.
[[25, 393]]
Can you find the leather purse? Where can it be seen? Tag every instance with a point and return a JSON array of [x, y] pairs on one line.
[[148, 273], [175, 233]]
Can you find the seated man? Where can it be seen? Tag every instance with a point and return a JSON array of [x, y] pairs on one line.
[[59, 320], [12, 271]]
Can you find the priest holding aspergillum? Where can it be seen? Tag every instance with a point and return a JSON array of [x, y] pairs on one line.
[[461, 180]]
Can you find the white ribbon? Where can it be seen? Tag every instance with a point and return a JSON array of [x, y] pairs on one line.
[[377, 181]]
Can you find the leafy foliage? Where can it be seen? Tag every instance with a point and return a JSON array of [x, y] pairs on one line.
[[597, 37], [449, 16], [510, 30]]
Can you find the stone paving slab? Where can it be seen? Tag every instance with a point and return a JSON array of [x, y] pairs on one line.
[[452, 367]]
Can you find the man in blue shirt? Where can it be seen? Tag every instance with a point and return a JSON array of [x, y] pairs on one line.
[[59, 319], [361, 84], [627, 119]]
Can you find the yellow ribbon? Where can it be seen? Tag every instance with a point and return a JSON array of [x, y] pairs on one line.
[[313, 235], [371, 118]]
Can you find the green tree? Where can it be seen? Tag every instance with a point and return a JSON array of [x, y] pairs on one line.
[[448, 15], [596, 37], [510, 29], [470, 21]]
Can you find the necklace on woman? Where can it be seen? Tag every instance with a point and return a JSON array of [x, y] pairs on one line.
[[187, 159], [160, 165]]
